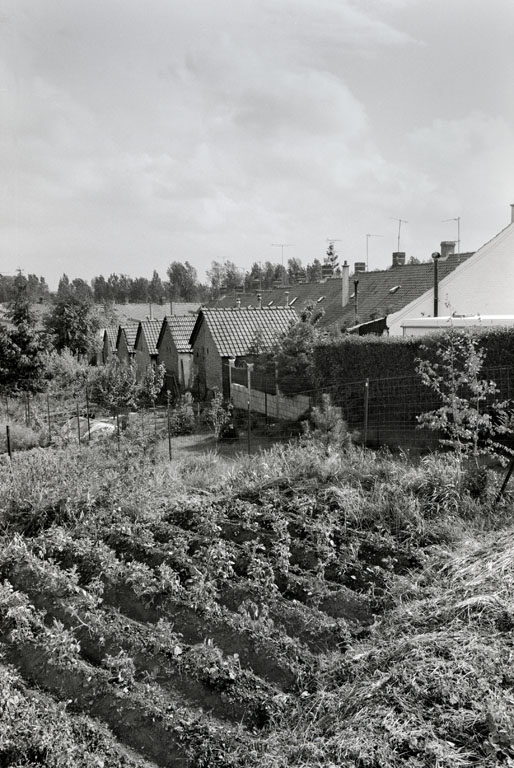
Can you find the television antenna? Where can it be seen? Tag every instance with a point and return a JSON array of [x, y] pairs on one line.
[[367, 248], [457, 219], [282, 246], [400, 222]]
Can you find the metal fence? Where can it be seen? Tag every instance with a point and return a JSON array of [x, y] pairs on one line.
[[380, 412]]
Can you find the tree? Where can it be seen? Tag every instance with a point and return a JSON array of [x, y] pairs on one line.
[[73, 324], [219, 414], [23, 349], [156, 290], [469, 417], [295, 271], [294, 357], [314, 271], [183, 284], [114, 387], [224, 276]]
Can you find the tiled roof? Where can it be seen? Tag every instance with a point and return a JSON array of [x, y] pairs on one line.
[[112, 335], [130, 332], [234, 330], [181, 328], [379, 293], [387, 291], [137, 312], [150, 330]]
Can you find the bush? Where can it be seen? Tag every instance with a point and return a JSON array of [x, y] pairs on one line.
[[182, 418], [22, 438]]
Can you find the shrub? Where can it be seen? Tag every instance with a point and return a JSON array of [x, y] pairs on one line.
[[219, 415], [22, 437], [182, 418]]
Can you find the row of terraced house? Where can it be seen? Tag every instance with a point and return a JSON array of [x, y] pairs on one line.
[[196, 348]]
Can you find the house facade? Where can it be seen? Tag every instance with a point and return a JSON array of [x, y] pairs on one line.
[[482, 285], [125, 343], [109, 344], [175, 352], [224, 334], [145, 345]]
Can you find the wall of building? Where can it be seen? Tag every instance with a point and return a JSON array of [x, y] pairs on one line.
[[482, 285], [180, 364], [123, 353], [207, 362], [142, 356]]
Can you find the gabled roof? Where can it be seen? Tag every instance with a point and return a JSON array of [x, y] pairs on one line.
[[379, 293], [150, 330], [233, 330], [181, 328], [296, 296], [129, 331], [112, 335]]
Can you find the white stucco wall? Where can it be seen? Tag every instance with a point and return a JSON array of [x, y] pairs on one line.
[[482, 285]]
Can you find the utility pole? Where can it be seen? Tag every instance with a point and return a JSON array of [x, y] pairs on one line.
[[400, 222], [282, 246], [457, 219], [367, 249]]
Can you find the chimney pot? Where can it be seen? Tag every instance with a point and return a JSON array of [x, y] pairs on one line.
[[259, 301], [447, 248], [238, 303], [287, 298], [398, 258]]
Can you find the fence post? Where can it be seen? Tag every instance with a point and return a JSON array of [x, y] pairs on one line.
[[78, 421], [8, 436], [48, 417], [169, 424], [249, 369], [366, 409], [118, 429], [249, 429], [88, 419]]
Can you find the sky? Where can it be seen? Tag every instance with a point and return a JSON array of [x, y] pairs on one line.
[[134, 134]]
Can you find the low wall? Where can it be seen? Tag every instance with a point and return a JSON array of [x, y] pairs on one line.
[[276, 406]]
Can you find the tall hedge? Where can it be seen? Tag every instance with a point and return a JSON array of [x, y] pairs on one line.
[[355, 358]]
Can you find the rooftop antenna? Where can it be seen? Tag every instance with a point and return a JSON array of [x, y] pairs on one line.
[[282, 246], [367, 249], [400, 222], [457, 219]]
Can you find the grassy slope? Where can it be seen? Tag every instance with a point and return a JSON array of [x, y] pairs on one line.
[[430, 682]]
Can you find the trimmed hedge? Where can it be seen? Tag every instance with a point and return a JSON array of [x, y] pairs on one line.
[[355, 358]]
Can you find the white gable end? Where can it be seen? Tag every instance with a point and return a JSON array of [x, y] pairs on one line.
[[481, 285]]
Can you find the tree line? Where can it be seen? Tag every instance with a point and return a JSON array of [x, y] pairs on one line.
[[182, 283]]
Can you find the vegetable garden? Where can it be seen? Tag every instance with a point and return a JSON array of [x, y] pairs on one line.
[[303, 607]]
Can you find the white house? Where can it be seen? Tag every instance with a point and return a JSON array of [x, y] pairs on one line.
[[482, 285]]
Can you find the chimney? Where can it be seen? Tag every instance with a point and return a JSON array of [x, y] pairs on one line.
[[447, 248], [512, 213], [287, 298], [238, 303], [259, 301], [359, 266], [355, 289], [346, 283], [398, 258]]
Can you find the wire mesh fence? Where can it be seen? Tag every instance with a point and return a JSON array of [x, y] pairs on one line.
[[379, 412]]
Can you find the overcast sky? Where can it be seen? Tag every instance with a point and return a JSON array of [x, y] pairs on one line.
[[137, 133]]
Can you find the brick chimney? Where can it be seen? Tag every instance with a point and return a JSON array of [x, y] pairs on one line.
[[398, 258], [359, 266], [447, 248], [346, 283]]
